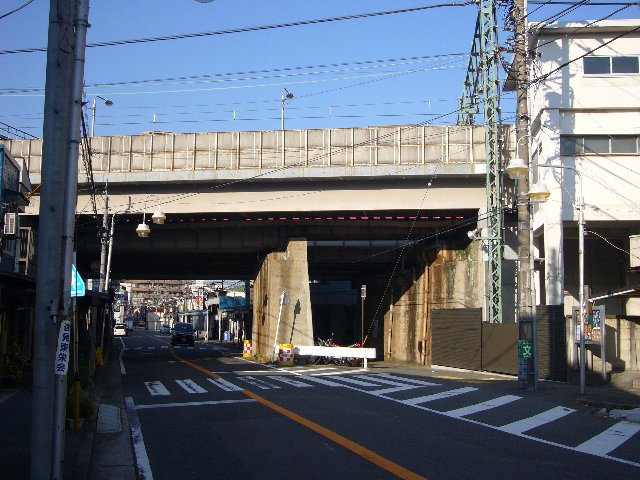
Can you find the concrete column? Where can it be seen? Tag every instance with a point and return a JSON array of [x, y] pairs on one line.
[[287, 270], [552, 211]]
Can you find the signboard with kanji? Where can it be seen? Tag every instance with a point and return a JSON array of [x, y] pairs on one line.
[[525, 348], [593, 325], [63, 350]]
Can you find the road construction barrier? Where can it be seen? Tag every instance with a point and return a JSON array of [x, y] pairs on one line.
[[346, 352], [247, 352], [285, 355]]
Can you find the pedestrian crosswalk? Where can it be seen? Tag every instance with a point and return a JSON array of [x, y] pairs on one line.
[[424, 395]]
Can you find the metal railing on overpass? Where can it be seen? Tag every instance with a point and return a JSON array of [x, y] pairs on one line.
[[389, 146]]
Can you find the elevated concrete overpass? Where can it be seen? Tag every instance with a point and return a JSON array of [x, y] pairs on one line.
[[389, 207], [231, 196]]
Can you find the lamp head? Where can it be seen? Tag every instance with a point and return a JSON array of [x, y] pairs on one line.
[[538, 192], [517, 169], [143, 230], [158, 217]]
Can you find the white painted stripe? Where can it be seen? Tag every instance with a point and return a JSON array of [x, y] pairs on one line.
[[259, 383], [321, 381], [142, 460], [438, 396], [138, 348], [386, 391], [354, 381], [225, 385], [610, 439], [156, 388], [397, 381], [289, 381], [407, 380], [122, 369], [193, 404], [537, 420], [398, 386], [164, 346], [151, 348], [190, 386], [482, 406]]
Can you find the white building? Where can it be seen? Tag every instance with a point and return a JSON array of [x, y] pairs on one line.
[[585, 114]]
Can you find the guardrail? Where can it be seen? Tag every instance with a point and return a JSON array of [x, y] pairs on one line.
[[335, 352]]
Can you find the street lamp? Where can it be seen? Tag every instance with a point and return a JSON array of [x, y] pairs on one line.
[[539, 193], [107, 103], [158, 218], [286, 95]]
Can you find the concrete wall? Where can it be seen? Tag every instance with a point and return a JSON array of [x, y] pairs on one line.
[[450, 278], [287, 270], [406, 321]]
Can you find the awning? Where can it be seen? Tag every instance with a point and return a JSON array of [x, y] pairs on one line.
[[618, 292]]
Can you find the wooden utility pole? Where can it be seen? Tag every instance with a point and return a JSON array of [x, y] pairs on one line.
[[527, 376]]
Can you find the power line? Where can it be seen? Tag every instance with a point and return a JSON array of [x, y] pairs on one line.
[[15, 10], [317, 21]]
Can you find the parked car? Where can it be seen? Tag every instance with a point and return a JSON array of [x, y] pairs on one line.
[[183, 333], [120, 330], [165, 329]]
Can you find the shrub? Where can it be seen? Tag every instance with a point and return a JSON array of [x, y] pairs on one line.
[[14, 361]]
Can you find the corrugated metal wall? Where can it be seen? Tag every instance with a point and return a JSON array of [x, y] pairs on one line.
[[461, 340], [457, 335]]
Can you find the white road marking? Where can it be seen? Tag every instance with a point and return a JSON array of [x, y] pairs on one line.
[[438, 396], [190, 386], [321, 380], [122, 369], [225, 385], [156, 388], [138, 348], [354, 381], [259, 383], [397, 386], [289, 381], [482, 406], [193, 404], [537, 420], [142, 460], [407, 380], [164, 346], [610, 439]]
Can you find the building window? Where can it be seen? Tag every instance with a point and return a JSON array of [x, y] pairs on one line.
[[598, 144], [610, 65]]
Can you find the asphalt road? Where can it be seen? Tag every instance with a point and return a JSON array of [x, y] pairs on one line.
[[202, 413]]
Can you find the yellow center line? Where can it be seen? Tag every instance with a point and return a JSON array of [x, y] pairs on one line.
[[380, 461]]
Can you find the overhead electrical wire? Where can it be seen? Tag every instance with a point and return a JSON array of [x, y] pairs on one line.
[[317, 21]]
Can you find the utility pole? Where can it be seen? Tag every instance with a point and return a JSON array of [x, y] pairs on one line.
[[68, 23], [50, 275], [527, 373]]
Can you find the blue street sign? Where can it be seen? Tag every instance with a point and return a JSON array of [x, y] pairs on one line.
[[77, 283]]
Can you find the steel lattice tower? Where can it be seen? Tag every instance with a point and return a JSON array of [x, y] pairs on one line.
[[482, 80]]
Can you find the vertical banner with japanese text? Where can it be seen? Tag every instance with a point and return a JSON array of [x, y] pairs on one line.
[[62, 352]]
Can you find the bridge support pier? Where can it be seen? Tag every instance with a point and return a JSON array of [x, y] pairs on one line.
[[285, 271]]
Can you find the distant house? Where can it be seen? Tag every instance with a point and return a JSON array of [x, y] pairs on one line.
[[17, 289]]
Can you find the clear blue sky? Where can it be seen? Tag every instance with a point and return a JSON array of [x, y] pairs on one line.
[[388, 70]]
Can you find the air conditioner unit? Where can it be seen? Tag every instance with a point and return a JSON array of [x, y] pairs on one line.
[[11, 224]]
